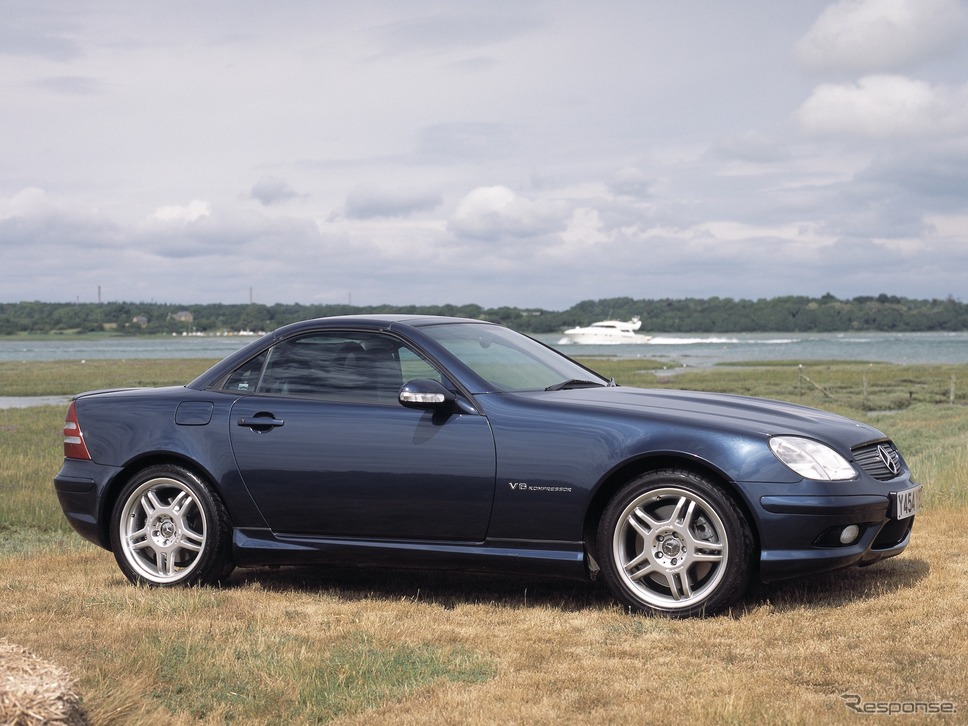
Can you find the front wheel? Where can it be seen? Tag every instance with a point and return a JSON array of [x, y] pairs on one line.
[[169, 528], [672, 542]]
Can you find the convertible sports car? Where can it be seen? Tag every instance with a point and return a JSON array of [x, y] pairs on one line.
[[420, 441]]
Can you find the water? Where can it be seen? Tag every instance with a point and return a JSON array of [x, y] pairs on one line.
[[81, 348], [30, 401], [675, 350], [708, 350]]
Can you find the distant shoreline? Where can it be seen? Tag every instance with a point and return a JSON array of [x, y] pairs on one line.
[[788, 314], [662, 351]]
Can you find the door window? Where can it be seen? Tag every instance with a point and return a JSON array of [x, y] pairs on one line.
[[347, 367]]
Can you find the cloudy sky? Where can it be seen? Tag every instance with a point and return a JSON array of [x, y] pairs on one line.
[[524, 153]]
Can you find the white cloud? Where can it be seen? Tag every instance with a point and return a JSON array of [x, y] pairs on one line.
[[750, 147], [459, 27], [24, 203], [31, 32], [40, 232], [804, 233], [272, 190], [71, 85], [465, 140], [371, 202], [881, 35], [630, 182], [950, 227], [585, 226], [885, 106], [192, 212], [497, 212]]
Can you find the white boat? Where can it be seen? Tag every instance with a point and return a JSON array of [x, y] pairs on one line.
[[606, 332]]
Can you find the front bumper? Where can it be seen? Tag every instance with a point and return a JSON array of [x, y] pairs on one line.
[[800, 533]]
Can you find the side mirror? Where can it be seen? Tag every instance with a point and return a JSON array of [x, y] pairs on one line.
[[426, 394]]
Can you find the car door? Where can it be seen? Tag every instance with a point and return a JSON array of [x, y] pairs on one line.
[[325, 448]]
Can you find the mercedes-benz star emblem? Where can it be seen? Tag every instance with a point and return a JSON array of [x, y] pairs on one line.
[[889, 458]]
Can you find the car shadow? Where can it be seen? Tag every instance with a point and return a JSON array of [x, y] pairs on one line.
[[841, 587], [448, 590], [445, 589]]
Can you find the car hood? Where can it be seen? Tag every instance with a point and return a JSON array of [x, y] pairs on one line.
[[716, 410]]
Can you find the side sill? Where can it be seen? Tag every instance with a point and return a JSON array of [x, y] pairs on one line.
[[253, 547]]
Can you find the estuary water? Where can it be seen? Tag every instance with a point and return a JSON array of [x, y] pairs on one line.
[[673, 351], [707, 350], [691, 350]]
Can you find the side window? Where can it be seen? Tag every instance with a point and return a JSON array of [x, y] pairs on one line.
[[413, 366], [245, 378], [350, 367]]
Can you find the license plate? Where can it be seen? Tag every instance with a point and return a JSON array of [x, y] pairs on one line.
[[907, 503]]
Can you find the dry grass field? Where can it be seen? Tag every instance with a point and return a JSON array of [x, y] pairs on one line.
[[348, 646]]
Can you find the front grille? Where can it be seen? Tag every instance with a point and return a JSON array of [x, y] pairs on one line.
[[879, 459]]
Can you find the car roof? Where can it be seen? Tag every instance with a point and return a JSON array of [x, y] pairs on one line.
[[396, 318], [373, 320]]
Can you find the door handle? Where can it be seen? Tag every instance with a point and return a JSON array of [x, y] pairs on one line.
[[261, 423]]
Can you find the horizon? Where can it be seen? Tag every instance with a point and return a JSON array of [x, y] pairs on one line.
[[825, 296]]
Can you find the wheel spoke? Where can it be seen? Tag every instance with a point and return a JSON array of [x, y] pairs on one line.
[[704, 550], [191, 540], [647, 570], [649, 522], [139, 540], [681, 587], [708, 552], [149, 503], [670, 579], [155, 500], [635, 562], [182, 503], [677, 515]]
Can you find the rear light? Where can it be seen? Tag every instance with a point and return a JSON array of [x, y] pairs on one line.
[[74, 446]]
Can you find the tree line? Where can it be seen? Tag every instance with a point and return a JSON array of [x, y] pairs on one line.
[[688, 315]]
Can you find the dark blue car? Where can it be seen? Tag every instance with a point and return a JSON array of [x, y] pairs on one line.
[[457, 444]]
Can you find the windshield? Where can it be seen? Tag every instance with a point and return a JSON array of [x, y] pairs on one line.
[[509, 361]]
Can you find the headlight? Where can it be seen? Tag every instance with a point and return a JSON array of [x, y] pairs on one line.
[[811, 459]]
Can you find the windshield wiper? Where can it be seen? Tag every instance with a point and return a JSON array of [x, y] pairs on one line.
[[574, 383]]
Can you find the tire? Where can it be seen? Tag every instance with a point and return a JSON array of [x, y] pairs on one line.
[[169, 528], [673, 543]]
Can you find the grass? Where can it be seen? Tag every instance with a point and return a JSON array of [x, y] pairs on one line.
[[31, 451], [306, 646], [312, 645], [63, 378], [852, 388]]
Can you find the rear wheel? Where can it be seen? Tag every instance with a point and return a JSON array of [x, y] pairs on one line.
[[672, 542], [169, 528]]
